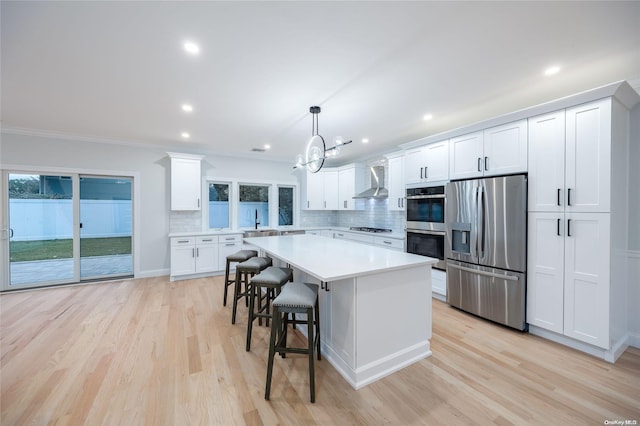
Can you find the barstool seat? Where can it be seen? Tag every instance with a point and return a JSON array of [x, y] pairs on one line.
[[239, 256], [244, 270], [295, 297], [271, 279]]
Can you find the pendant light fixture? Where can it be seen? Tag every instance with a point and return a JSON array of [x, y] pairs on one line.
[[317, 150]]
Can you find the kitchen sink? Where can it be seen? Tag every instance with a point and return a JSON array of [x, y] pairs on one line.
[[261, 233]]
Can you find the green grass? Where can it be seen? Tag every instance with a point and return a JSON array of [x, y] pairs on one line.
[[24, 251]]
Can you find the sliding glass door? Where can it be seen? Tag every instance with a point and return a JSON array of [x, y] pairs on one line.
[[66, 228], [41, 231], [105, 227]]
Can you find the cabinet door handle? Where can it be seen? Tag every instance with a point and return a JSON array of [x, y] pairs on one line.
[[229, 238], [193, 252], [387, 242], [421, 172], [568, 227], [568, 196], [325, 204], [559, 191], [208, 240], [182, 241], [198, 202], [326, 286], [479, 164], [486, 163], [426, 172], [558, 230], [197, 252], [345, 204], [230, 244], [307, 203], [399, 202]]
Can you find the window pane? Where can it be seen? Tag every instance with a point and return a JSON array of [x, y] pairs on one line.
[[253, 206], [285, 206], [218, 205]]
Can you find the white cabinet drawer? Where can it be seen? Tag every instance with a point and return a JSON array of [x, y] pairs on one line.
[[183, 241], [230, 238], [207, 239], [393, 243], [354, 237]]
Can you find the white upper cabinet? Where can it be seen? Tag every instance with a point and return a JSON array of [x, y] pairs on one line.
[[429, 163], [546, 162], [570, 159], [588, 161], [437, 161], [314, 191], [350, 184], [331, 190], [505, 149], [495, 151], [465, 156], [185, 181], [414, 165], [396, 184]]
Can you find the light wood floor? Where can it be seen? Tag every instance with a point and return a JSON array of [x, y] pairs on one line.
[[148, 351]]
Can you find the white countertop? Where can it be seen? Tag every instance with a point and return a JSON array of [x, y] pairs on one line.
[[396, 235], [328, 259]]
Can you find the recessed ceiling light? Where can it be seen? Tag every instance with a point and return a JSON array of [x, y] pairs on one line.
[[552, 70], [267, 146], [187, 108], [427, 117], [192, 48], [365, 140], [185, 135]]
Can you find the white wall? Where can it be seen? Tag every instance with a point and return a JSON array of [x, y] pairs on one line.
[[153, 166]]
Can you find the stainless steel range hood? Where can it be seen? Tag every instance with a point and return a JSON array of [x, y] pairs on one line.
[[377, 189]]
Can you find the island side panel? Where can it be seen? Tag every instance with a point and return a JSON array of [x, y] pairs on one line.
[[393, 318]]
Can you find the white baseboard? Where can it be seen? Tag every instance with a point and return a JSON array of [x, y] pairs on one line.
[[610, 355], [152, 273]]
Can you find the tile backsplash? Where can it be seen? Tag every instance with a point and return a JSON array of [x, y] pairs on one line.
[[374, 215]]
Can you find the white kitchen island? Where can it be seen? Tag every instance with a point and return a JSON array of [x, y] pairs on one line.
[[375, 303]]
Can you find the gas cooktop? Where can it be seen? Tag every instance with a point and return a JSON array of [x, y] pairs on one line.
[[366, 229]]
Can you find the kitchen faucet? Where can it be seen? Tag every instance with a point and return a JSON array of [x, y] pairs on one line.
[[257, 223]]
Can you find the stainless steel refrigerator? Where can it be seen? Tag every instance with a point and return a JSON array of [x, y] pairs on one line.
[[486, 222]]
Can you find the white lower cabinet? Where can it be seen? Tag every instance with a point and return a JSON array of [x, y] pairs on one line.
[[228, 244], [568, 279], [194, 255], [390, 243], [202, 255]]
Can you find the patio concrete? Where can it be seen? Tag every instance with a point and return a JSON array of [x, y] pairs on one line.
[[42, 271]]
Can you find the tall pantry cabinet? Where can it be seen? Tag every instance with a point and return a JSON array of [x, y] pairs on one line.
[[577, 281]]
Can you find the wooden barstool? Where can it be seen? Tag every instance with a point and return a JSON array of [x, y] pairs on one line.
[[295, 297], [244, 271], [239, 256], [271, 279]]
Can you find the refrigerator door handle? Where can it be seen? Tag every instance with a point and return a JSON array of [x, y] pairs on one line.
[[483, 219], [489, 274]]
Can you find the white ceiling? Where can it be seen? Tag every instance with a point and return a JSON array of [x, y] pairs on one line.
[[117, 70]]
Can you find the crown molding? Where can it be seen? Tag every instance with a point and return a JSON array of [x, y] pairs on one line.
[[194, 149]]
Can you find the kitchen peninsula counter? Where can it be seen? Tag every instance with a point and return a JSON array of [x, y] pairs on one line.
[[375, 303]]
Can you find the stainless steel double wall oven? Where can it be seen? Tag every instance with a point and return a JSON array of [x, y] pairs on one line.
[[426, 228]]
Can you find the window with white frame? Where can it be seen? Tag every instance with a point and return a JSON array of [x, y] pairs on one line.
[[285, 205], [253, 205], [219, 204]]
